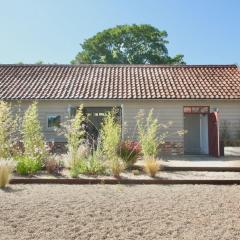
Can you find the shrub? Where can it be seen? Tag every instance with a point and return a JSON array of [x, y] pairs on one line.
[[74, 171], [34, 144], [27, 165], [75, 133], [129, 151], [116, 166], [6, 169], [90, 164], [151, 167], [78, 167], [53, 164], [94, 165], [110, 140], [75, 159], [147, 134], [110, 135], [7, 130]]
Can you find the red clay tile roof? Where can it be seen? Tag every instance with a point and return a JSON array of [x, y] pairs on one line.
[[119, 82]]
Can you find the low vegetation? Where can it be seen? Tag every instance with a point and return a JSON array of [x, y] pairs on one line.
[[129, 151], [149, 139], [54, 164], [88, 165], [7, 130], [27, 165], [148, 134], [6, 169], [74, 133], [33, 140], [110, 156], [151, 166], [110, 141]]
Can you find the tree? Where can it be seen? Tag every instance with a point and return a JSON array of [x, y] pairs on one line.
[[127, 44], [39, 62]]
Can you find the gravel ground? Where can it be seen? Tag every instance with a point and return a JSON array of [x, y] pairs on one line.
[[120, 212], [199, 175]]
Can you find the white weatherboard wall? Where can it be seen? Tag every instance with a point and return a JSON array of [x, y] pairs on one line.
[[164, 111]]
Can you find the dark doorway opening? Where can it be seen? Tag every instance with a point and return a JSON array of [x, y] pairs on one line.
[[94, 119]]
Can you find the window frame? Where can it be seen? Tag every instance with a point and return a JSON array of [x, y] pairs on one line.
[[53, 115]]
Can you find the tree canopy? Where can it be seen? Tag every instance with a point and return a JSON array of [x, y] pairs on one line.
[[127, 44]]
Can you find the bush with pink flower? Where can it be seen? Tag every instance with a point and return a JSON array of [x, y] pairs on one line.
[[129, 151]]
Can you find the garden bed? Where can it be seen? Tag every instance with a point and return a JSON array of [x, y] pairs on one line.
[[162, 177]]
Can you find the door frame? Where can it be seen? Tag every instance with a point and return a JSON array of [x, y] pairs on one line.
[[200, 110], [213, 134], [204, 133]]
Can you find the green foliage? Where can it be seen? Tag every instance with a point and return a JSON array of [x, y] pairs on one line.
[[89, 165], [110, 140], [81, 161], [94, 165], [127, 44], [7, 130], [148, 134], [75, 167], [27, 165], [74, 170], [39, 62], [75, 133], [110, 135], [34, 144]]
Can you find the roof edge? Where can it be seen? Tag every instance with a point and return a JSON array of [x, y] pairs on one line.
[[127, 65]]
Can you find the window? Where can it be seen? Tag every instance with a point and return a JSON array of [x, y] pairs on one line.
[[72, 111], [96, 112], [54, 121]]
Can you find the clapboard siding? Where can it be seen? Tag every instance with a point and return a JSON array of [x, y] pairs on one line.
[[164, 110]]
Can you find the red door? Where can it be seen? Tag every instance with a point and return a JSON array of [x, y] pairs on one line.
[[213, 134]]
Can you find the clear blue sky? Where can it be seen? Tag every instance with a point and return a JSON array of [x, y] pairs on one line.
[[205, 31]]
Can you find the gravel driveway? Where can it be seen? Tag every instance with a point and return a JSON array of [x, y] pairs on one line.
[[120, 212]]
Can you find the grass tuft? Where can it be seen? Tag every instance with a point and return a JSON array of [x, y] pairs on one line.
[[6, 169], [151, 166]]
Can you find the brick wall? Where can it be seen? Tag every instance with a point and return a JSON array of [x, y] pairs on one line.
[[170, 148]]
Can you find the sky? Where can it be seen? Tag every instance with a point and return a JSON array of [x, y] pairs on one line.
[[204, 31]]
